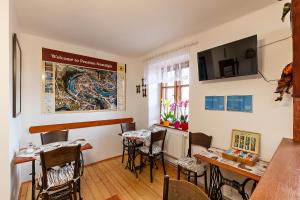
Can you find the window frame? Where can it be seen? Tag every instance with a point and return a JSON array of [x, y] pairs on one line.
[[177, 92]]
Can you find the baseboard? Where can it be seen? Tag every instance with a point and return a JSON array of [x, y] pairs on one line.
[[94, 163]]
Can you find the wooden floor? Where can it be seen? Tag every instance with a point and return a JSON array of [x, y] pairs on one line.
[[108, 178]]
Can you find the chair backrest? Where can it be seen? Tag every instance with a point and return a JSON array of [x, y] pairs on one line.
[[199, 139], [60, 157], [157, 136], [181, 190], [54, 136], [128, 127]]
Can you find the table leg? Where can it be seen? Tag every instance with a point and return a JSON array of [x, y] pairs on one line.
[[131, 156], [215, 183], [33, 180]]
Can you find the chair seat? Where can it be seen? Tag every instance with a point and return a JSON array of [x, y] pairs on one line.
[[58, 176], [155, 149], [193, 165]]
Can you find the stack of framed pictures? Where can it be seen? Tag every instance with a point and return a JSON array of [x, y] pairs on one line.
[[245, 147]]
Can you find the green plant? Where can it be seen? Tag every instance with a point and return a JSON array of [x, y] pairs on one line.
[[168, 111]]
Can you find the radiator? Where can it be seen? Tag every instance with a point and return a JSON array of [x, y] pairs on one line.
[[175, 144]]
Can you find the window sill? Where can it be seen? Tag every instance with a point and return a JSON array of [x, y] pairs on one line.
[[171, 127]]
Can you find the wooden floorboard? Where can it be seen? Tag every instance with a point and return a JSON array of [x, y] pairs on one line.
[[109, 178]]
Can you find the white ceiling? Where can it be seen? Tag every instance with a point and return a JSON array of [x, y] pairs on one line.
[[127, 27]]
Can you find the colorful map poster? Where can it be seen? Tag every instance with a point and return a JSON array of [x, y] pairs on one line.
[[74, 83], [241, 103], [214, 103]]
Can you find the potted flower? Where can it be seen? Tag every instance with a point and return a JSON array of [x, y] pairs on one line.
[[183, 115], [167, 114]]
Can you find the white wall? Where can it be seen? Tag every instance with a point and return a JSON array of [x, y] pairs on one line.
[[14, 123], [106, 143], [4, 103], [272, 119]]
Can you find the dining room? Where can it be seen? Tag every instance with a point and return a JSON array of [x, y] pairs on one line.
[[107, 100]]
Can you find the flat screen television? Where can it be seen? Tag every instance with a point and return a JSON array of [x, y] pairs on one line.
[[234, 59]]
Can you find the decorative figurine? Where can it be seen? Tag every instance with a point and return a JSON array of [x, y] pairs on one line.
[[286, 9], [286, 81]]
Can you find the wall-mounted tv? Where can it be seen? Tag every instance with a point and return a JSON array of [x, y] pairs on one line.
[[234, 59]]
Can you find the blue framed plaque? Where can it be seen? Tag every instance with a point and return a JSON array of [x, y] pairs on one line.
[[240, 103], [214, 103]]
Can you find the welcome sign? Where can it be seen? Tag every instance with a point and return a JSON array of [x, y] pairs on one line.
[[74, 83]]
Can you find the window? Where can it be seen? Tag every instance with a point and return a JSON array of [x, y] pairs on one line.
[[175, 86]]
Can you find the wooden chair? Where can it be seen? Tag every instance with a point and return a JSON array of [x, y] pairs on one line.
[[154, 151], [59, 182], [61, 136], [182, 190], [54, 136], [190, 165], [127, 127]]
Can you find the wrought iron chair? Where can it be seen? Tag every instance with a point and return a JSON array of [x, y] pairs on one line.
[[190, 165], [181, 190], [60, 173], [154, 151]]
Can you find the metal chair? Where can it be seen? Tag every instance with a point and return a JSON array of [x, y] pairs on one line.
[[182, 190], [191, 166]]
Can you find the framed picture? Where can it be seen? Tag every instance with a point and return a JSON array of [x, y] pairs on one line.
[[17, 71], [245, 141]]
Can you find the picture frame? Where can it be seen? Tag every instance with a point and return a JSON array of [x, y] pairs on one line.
[[245, 141], [17, 76]]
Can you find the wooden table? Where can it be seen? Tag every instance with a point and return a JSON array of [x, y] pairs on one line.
[[20, 160], [281, 180], [217, 180]]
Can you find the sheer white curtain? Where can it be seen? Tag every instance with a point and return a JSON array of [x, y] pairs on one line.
[[168, 68], [156, 72]]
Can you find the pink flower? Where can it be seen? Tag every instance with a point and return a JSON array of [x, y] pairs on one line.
[[185, 104], [173, 107], [180, 104]]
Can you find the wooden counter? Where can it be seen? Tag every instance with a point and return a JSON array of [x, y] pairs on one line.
[[282, 178]]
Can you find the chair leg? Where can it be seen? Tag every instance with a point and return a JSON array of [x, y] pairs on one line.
[[178, 172], [205, 181], [163, 163], [141, 163], [75, 191], [195, 178], [123, 153], [189, 176], [151, 166], [156, 167], [79, 189]]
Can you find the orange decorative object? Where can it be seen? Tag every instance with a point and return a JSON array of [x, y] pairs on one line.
[[166, 123], [286, 81]]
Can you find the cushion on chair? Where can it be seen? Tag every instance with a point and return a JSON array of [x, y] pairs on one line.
[[155, 149], [192, 164], [58, 176]]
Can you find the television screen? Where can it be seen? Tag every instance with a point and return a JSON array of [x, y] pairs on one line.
[[237, 58]]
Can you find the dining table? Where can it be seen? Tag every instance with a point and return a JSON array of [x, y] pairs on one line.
[[32, 154], [132, 138]]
